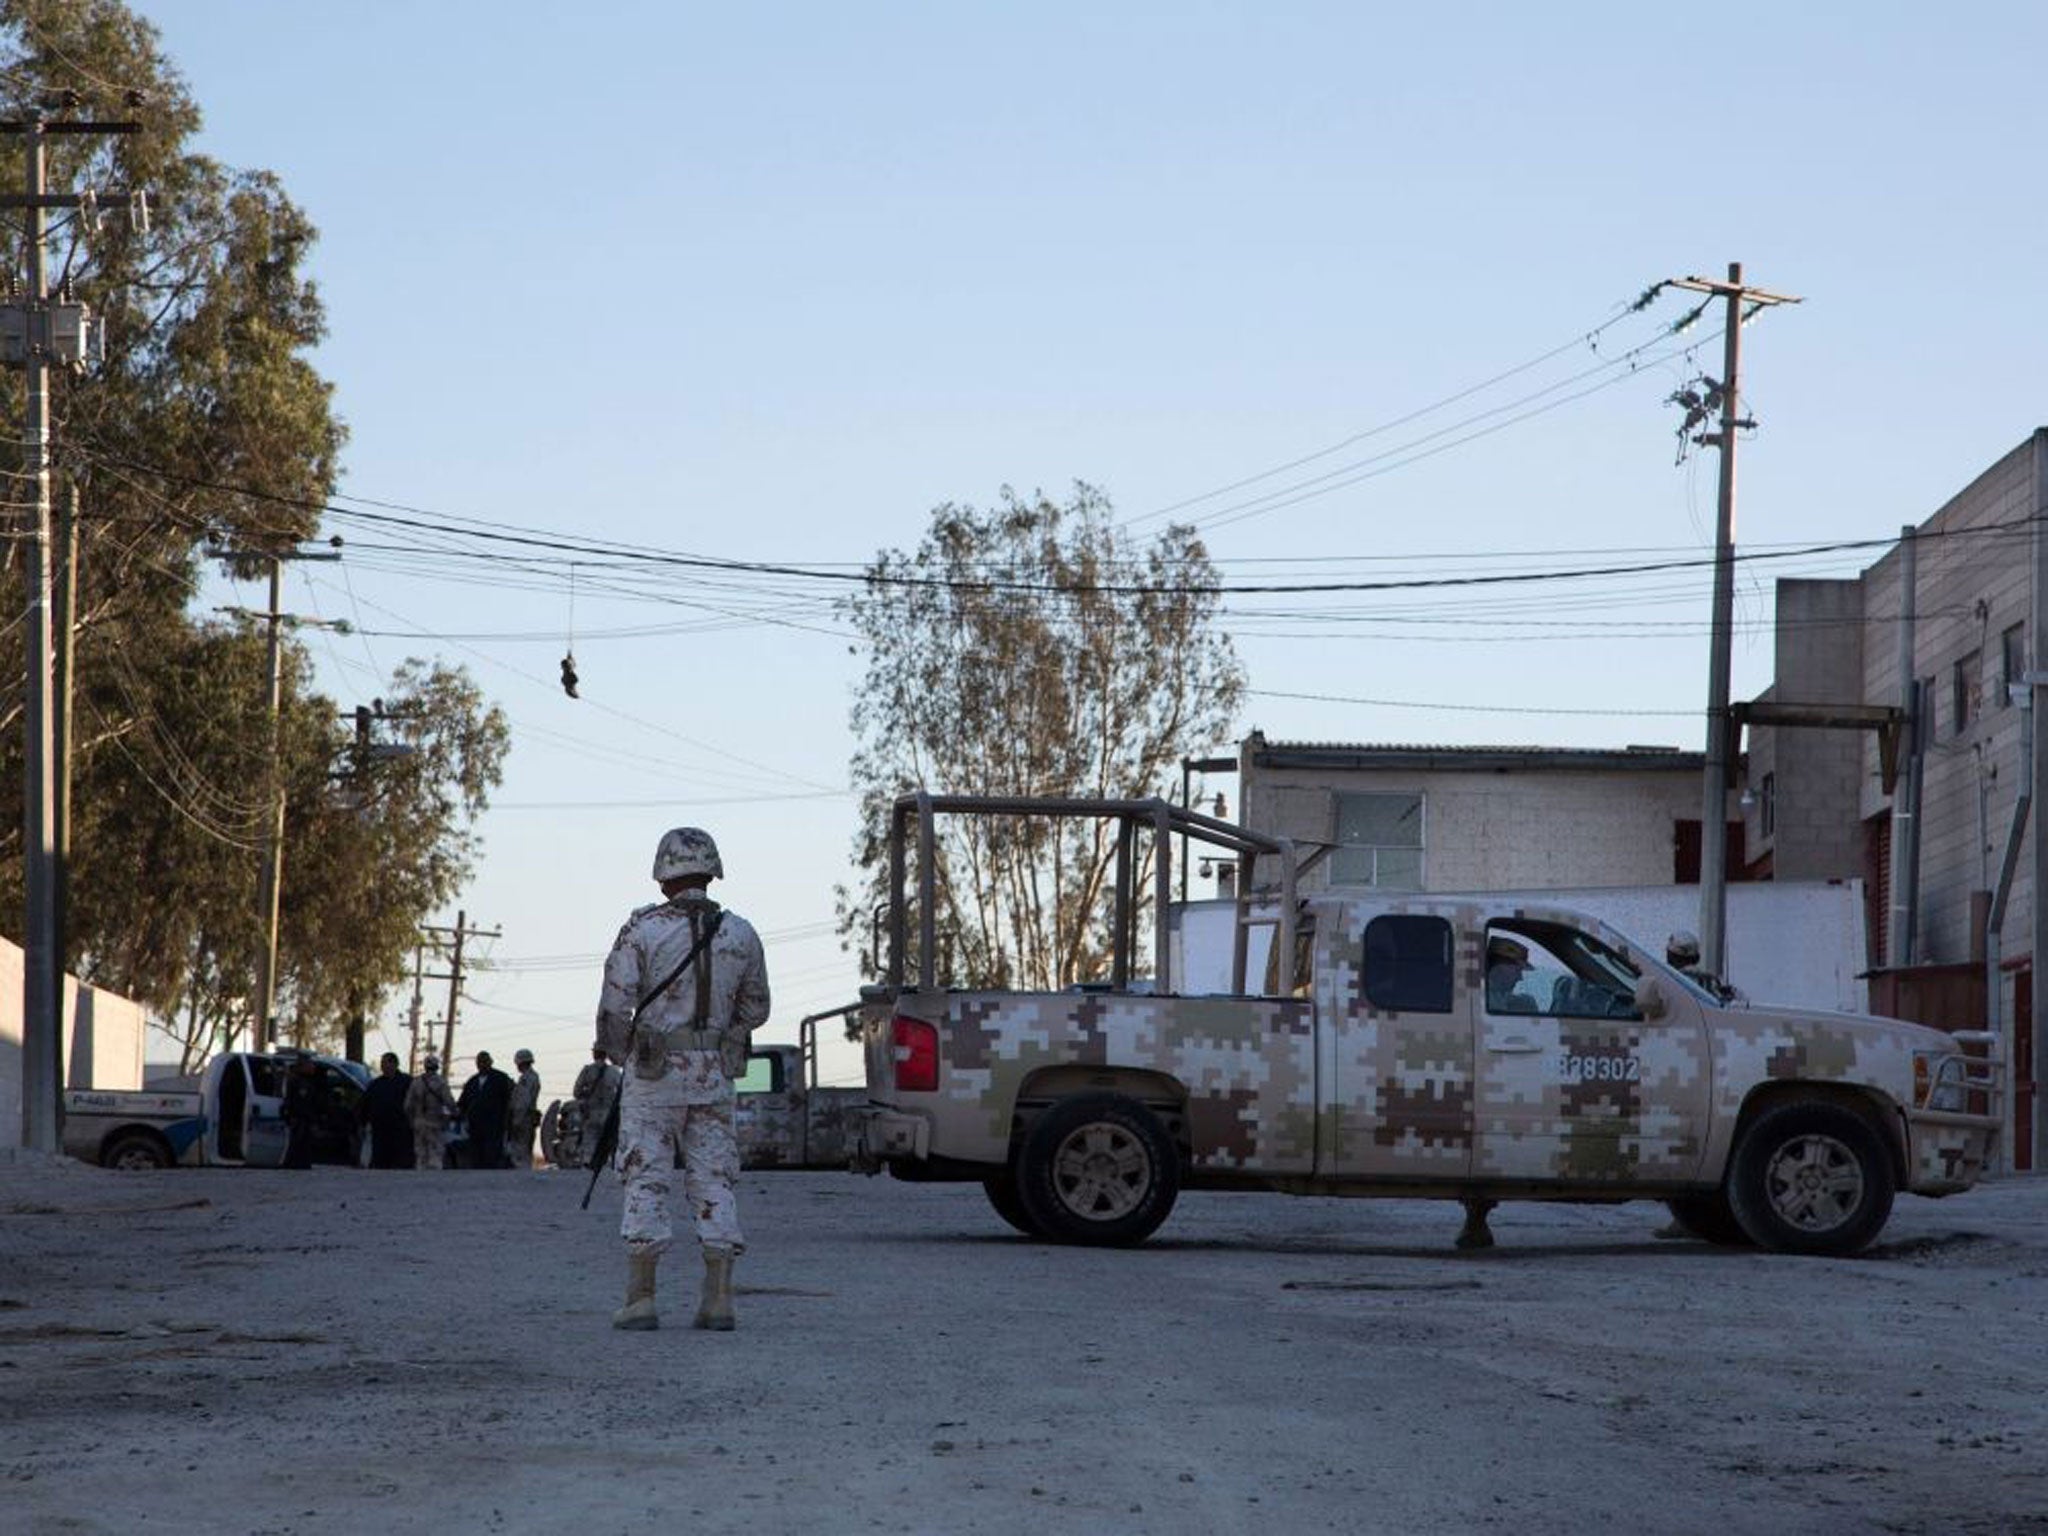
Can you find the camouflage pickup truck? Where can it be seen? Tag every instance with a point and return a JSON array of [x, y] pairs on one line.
[[783, 1117], [1435, 1047]]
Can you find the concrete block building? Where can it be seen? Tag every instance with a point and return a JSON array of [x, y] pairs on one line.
[[1932, 838], [1421, 818]]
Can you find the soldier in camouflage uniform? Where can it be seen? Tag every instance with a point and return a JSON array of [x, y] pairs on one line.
[[524, 1117], [681, 1050], [596, 1086], [428, 1105]]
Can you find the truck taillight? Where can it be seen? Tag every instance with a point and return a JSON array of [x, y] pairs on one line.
[[914, 1046]]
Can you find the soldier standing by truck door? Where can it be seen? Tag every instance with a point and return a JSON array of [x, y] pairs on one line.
[[305, 1103], [429, 1106], [681, 1032]]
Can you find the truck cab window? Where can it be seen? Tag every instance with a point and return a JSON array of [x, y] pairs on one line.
[[763, 1074], [1408, 963], [1556, 971]]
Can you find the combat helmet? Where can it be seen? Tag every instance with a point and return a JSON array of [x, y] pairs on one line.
[[1682, 949], [687, 851]]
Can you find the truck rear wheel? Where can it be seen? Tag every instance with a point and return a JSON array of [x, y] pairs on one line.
[[1097, 1169], [1811, 1177], [136, 1149]]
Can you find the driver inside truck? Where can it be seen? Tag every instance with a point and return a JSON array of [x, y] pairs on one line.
[[1507, 962]]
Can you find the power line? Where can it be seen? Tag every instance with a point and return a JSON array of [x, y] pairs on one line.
[[1584, 338], [655, 559], [1414, 451]]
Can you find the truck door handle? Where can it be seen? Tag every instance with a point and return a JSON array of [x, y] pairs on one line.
[[1518, 1046]]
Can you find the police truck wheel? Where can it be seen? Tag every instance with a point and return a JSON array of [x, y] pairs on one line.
[[1811, 1177], [1097, 1169], [1709, 1218], [1002, 1195], [137, 1149]]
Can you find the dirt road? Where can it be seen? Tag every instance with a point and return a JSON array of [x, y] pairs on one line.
[[343, 1351]]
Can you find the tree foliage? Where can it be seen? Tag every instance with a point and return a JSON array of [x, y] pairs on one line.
[[1031, 649], [207, 427]]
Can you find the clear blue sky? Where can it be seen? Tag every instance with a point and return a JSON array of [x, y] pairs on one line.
[[770, 281]]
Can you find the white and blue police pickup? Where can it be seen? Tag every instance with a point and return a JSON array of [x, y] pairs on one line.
[[233, 1116]]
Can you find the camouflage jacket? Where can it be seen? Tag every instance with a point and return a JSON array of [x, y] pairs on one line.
[[651, 945], [525, 1099], [427, 1101]]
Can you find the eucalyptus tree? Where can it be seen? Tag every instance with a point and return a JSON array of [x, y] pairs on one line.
[[1030, 649], [206, 428]]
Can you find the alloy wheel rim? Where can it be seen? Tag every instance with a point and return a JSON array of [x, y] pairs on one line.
[[1101, 1172], [1814, 1183]]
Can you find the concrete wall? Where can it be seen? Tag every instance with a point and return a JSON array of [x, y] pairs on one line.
[[103, 1040], [1500, 830], [1815, 776]]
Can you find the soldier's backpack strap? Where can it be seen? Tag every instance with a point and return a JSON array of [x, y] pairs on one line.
[[703, 980]]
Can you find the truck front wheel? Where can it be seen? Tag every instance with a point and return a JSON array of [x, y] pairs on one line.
[[136, 1149], [1002, 1197], [1709, 1218], [1811, 1177], [1097, 1169]]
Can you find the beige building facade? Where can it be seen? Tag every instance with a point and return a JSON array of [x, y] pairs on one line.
[[1933, 844]]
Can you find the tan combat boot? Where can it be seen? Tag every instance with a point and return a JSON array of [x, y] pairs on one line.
[[715, 1310], [638, 1312]]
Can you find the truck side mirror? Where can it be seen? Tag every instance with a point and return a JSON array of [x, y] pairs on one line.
[[1649, 998]]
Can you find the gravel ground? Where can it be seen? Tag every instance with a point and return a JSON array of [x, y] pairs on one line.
[[342, 1351]]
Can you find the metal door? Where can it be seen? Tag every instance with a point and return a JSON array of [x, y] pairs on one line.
[[1574, 1084]]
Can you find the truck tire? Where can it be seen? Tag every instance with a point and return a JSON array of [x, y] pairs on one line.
[[135, 1149], [1002, 1195], [1811, 1177], [1709, 1218], [1097, 1169]]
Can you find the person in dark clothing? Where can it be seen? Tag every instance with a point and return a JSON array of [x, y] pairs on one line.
[[305, 1105], [486, 1099], [383, 1111]]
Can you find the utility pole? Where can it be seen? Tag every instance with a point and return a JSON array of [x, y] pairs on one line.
[[271, 877], [412, 1021], [65, 622], [35, 334], [270, 884], [1714, 813], [461, 931]]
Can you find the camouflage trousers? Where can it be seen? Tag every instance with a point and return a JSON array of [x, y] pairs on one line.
[[428, 1142], [653, 1129]]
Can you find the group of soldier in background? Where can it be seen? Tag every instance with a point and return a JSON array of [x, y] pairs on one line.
[[407, 1116]]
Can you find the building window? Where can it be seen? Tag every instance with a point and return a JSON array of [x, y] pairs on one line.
[[1965, 684], [2012, 662], [1767, 806], [1379, 842]]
